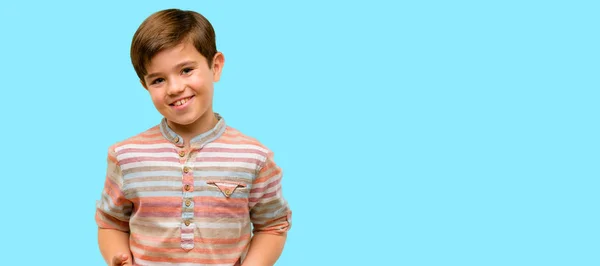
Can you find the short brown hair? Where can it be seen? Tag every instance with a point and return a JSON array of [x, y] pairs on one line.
[[166, 29]]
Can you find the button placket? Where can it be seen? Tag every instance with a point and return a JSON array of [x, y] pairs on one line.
[[187, 207], [187, 235]]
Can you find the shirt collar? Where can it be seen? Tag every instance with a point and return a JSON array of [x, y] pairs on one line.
[[197, 141]]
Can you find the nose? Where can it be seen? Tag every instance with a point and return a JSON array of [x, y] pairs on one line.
[[176, 86]]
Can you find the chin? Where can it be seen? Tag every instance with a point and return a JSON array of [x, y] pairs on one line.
[[183, 122]]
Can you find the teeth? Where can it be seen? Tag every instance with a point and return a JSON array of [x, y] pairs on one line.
[[180, 102]]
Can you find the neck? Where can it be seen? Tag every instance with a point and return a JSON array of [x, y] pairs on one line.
[[203, 124]]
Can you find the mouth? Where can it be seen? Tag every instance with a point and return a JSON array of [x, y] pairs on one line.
[[181, 102]]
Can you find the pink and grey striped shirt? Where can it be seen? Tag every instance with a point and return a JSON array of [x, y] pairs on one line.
[[192, 206]]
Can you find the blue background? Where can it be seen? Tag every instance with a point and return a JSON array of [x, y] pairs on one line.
[[429, 133]]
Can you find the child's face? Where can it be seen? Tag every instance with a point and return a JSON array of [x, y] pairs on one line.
[[180, 84]]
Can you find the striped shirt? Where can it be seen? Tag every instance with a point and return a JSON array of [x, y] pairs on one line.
[[192, 206]]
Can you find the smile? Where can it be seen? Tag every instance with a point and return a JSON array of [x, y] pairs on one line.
[[181, 102]]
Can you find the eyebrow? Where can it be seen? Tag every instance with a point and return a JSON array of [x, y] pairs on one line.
[[180, 65]]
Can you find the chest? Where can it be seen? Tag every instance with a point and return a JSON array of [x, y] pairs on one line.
[[183, 172]]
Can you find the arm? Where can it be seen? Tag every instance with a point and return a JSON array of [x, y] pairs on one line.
[[270, 215], [112, 216], [264, 250], [113, 244]]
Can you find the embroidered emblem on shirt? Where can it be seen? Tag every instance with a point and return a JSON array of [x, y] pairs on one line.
[[226, 187]]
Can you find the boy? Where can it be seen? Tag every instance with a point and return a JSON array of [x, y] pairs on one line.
[[190, 190]]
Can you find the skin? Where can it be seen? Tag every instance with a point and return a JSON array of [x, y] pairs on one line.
[[114, 247], [182, 72], [179, 73], [264, 250]]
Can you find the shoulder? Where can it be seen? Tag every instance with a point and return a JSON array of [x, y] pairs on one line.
[[236, 141], [149, 137]]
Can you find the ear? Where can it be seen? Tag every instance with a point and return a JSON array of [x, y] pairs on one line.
[[143, 84], [217, 66]]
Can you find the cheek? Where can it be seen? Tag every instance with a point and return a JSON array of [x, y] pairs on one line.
[[157, 98], [201, 83]]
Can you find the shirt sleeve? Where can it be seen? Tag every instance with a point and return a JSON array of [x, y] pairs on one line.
[[269, 211], [113, 209]]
